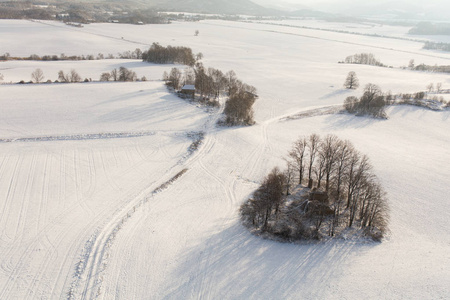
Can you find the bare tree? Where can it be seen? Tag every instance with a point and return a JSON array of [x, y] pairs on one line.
[[351, 82], [351, 104], [74, 76], [344, 152], [1, 77], [37, 76], [298, 156], [217, 80], [202, 84], [106, 76], [360, 177], [126, 74], [313, 146], [328, 149], [175, 77], [115, 75], [289, 175], [319, 169], [430, 87], [196, 32], [62, 77], [438, 87]]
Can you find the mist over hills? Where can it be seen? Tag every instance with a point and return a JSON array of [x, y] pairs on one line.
[[394, 10], [231, 7]]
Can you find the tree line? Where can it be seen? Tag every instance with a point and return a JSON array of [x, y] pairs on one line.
[[429, 68], [363, 59], [169, 55], [437, 46], [210, 84], [342, 192], [121, 74], [136, 54], [373, 101]]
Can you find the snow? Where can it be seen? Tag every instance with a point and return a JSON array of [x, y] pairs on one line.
[[80, 165]]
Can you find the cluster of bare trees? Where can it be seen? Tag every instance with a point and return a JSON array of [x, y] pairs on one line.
[[72, 76], [210, 84], [372, 102], [123, 74], [436, 89], [169, 55], [363, 59], [342, 193]]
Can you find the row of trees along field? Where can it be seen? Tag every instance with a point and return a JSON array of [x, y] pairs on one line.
[[210, 84], [342, 192], [121, 74], [363, 59]]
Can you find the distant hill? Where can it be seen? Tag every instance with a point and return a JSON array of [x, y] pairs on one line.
[[233, 7], [281, 5]]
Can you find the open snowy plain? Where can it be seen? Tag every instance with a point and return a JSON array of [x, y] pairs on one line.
[[82, 214]]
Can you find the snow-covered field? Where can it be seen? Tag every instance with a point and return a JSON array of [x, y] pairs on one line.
[[81, 215], [365, 28]]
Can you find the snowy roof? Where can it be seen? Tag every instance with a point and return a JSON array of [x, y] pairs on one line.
[[189, 87]]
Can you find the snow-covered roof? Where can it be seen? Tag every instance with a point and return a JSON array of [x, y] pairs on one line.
[[189, 87]]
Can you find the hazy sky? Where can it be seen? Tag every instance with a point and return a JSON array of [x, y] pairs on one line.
[[313, 3], [415, 2], [433, 8]]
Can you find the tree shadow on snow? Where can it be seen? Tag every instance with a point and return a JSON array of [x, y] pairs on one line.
[[236, 264], [340, 92], [160, 110], [346, 121]]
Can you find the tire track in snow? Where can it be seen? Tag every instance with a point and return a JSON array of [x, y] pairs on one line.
[[96, 251], [17, 270], [79, 137], [205, 281], [78, 184], [11, 191], [89, 271], [3, 170], [28, 248]]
